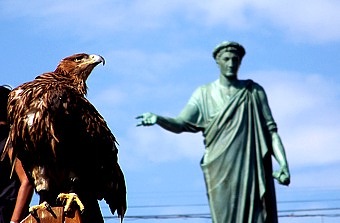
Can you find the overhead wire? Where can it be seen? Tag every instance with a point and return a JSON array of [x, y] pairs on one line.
[[292, 213]]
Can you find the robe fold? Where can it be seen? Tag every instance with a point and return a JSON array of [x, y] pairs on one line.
[[237, 164]]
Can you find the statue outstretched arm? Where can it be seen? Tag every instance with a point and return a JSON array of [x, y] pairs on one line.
[[174, 125], [179, 124]]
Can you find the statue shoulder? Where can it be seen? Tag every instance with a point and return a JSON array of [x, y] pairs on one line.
[[252, 85], [203, 91], [207, 87]]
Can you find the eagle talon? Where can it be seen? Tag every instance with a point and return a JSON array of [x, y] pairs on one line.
[[69, 198], [44, 205]]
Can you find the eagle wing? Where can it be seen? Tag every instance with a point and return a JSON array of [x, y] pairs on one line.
[[111, 180]]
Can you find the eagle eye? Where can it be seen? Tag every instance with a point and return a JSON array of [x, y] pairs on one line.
[[78, 59]]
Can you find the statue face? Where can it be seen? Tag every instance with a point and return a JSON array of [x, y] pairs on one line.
[[229, 62]]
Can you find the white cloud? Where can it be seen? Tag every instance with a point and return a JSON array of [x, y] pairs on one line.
[[303, 20], [310, 144], [311, 20], [294, 93], [307, 115], [157, 145]]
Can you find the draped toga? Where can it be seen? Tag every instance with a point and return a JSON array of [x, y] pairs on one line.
[[237, 164]]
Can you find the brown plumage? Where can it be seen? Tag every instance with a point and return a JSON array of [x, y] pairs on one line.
[[64, 143]]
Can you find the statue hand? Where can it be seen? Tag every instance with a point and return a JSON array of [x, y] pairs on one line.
[[282, 176], [147, 119]]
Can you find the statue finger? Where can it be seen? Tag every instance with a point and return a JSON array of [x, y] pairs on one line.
[[276, 175], [141, 123], [285, 180]]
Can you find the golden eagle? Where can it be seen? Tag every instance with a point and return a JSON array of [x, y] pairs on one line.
[[65, 145]]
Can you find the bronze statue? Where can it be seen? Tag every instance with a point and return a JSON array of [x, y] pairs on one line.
[[240, 137]]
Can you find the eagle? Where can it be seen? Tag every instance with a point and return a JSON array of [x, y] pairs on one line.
[[64, 143]]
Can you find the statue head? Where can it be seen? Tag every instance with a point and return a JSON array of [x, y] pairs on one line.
[[229, 46]]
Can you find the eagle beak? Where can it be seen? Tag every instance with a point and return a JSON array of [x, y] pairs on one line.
[[97, 59]]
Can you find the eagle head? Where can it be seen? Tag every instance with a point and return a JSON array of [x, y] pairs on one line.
[[78, 66]]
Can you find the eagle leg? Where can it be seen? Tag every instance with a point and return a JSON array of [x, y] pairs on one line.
[[68, 198]]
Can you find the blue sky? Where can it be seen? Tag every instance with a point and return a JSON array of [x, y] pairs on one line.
[[158, 52]]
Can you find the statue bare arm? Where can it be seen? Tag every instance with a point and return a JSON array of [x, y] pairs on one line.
[[178, 124], [282, 175], [174, 125]]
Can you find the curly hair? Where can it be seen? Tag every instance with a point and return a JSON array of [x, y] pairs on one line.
[[4, 93]]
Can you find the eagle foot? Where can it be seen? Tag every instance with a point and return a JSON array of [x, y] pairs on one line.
[[44, 205], [68, 198]]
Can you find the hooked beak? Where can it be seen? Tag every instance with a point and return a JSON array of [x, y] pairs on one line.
[[97, 59]]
